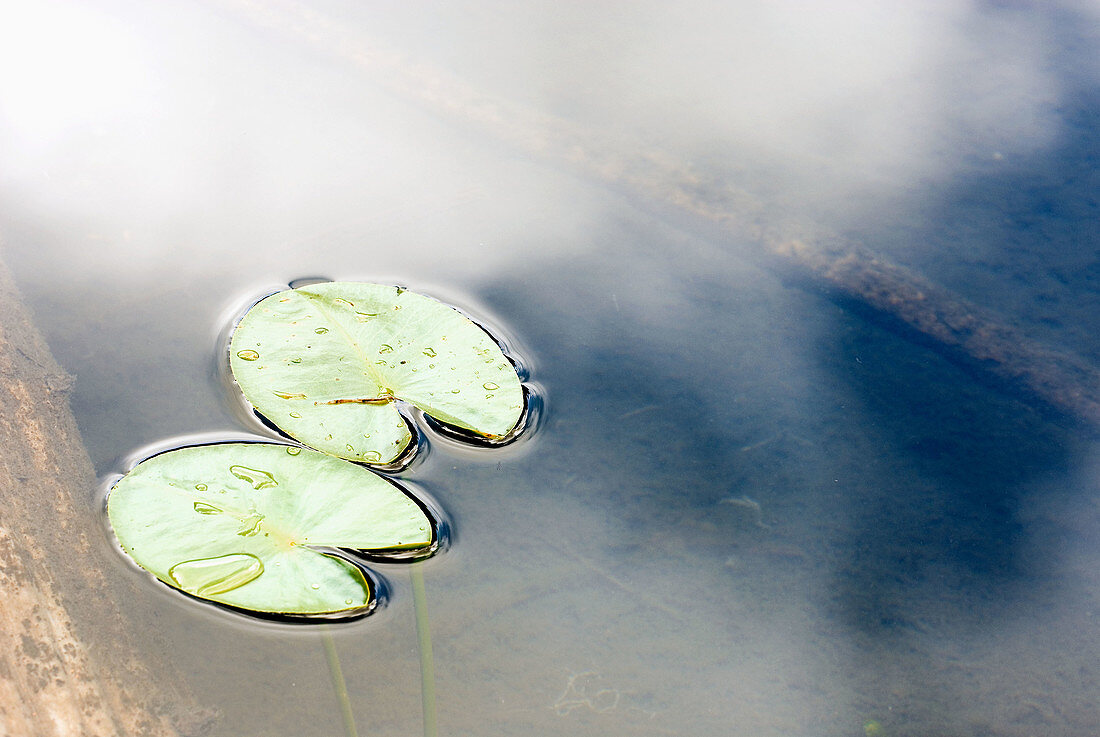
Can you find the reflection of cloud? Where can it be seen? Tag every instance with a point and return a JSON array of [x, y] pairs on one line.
[[63, 67], [860, 86], [185, 121]]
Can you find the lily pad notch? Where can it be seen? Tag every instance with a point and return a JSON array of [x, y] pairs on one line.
[[332, 364], [268, 529]]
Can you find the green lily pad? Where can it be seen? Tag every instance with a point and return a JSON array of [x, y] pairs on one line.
[[327, 364], [243, 524]]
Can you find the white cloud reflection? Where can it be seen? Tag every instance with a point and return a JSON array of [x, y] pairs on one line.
[[188, 119]]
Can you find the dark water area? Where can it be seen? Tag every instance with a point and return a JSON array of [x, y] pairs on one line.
[[746, 507]]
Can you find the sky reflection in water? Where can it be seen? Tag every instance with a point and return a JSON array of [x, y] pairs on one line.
[[745, 505]]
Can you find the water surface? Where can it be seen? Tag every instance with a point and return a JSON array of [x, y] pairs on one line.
[[746, 509]]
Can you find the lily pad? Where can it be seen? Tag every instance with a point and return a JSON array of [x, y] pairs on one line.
[[328, 363], [256, 526]]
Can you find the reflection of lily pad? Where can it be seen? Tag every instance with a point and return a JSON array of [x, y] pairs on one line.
[[240, 524], [327, 363]]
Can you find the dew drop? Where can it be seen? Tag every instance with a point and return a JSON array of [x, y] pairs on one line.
[[201, 487], [213, 576], [491, 386], [248, 355], [289, 395], [348, 601], [342, 301], [429, 353], [315, 586], [259, 479], [293, 451], [296, 360], [372, 456], [455, 391], [350, 448], [320, 331], [296, 415], [250, 525], [386, 348], [364, 316], [204, 508]]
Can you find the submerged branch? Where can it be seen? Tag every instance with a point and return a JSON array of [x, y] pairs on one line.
[[709, 204]]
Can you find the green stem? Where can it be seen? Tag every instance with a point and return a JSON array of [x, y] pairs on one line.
[[424, 643], [338, 681]]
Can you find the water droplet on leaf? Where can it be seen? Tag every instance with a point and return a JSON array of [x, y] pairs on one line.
[[213, 576], [289, 395], [250, 525], [201, 487], [248, 355], [259, 479], [491, 386], [320, 331], [204, 508], [386, 348], [293, 451]]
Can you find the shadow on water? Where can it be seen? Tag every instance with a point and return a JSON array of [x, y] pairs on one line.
[[1015, 232], [1011, 235], [958, 554], [834, 475]]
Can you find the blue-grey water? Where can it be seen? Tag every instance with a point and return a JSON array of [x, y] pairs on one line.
[[746, 508]]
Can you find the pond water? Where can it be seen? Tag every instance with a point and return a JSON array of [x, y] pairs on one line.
[[746, 508]]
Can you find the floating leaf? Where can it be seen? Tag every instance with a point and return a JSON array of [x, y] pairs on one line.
[[326, 363], [238, 523]]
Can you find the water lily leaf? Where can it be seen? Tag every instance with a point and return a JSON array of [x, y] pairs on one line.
[[238, 523], [327, 362]]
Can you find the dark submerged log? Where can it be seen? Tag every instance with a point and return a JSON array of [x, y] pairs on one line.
[[718, 209]]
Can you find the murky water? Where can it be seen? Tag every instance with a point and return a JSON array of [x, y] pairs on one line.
[[746, 509]]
